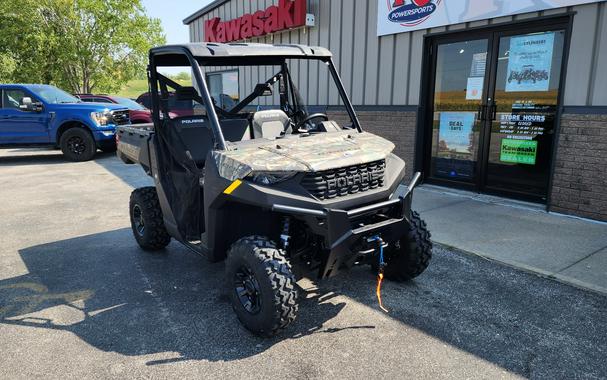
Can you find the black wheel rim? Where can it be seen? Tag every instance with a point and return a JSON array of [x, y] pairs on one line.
[[76, 145], [247, 290], [138, 220]]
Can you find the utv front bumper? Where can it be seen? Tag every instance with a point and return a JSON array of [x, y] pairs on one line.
[[345, 231]]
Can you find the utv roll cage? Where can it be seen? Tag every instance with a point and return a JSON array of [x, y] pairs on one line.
[[210, 54]]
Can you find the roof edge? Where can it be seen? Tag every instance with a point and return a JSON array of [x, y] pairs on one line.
[[188, 20]]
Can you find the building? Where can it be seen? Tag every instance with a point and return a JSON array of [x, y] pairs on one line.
[[495, 96]]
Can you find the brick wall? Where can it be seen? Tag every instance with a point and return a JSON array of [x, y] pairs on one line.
[[396, 126], [580, 174]]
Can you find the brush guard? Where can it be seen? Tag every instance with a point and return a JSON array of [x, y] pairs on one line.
[[343, 229]]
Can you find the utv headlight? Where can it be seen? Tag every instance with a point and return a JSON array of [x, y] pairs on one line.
[[269, 178], [101, 118]]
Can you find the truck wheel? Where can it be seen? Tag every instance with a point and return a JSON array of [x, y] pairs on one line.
[[77, 144], [408, 257], [146, 219], [261, 285]]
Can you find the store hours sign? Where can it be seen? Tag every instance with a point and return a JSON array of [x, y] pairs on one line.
[[398, 16]]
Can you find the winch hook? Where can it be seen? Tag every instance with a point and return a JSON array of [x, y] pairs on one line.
[[380, 272]]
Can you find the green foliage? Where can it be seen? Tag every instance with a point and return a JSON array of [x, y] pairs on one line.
[[182, 76], [136, 87], [79, 45], [7, 67]]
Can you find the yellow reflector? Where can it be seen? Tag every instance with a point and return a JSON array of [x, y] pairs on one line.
[[232, 187]]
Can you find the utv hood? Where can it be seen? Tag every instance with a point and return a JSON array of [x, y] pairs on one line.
[[304, 154]]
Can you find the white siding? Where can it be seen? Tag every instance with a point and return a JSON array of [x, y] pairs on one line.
[[387, 70]]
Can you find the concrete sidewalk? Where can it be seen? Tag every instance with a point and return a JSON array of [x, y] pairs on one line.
[[517, 233]]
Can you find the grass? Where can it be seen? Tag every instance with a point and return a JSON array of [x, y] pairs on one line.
[[136, 87]]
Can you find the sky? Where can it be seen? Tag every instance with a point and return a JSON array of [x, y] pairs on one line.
[[171, 15]]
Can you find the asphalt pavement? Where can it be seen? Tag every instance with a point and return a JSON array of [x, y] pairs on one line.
[[79, 299]]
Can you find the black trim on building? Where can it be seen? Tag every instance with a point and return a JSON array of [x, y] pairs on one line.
[[585, 110], [188, 20]]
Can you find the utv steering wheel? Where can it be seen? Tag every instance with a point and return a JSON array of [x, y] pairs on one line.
[[308, 119]]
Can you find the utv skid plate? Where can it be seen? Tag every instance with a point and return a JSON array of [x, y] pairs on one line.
[[343, 229]]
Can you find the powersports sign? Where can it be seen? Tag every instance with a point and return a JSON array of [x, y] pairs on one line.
[[286, 15], [397, 16]]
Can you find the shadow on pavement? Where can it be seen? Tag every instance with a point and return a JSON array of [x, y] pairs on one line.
[[49, 157], [115, 297], [39, 156], [133, 174]]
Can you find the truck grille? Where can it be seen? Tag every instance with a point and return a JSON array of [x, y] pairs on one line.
[[339, 182], [121, 117]]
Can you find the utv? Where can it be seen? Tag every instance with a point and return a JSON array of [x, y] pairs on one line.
[[266, 184]]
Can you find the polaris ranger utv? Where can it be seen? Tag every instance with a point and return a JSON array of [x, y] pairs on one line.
[[275, 189]]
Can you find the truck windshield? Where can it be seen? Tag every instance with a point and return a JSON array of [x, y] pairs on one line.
[[130, 104], [53, 95]]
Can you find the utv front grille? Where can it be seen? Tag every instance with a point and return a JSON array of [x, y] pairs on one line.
[[339, 182], [121, 117]]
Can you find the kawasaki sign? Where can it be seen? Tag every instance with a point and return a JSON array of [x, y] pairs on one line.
[[286, 15], [397, 16]]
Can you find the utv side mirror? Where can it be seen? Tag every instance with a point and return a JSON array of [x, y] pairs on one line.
[[28, 105]]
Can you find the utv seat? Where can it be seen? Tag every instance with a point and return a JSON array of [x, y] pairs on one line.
[[235, 129], [270, 124], [197, 136]]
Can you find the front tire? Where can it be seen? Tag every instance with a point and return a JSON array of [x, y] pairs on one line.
[[77, 144], [146, 219], [408, 257], [261, 285]]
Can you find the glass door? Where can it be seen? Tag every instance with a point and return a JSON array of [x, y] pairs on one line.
[[459, 90], [522, 112], [493, 107]]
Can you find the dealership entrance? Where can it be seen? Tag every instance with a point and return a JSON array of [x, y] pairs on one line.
[[493, 99]]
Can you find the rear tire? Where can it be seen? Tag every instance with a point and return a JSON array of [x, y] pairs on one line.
[[77, 144], [408, 257], [261, 285], [146, 219]]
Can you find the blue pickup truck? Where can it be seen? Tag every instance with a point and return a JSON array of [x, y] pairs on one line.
[[43, 115]]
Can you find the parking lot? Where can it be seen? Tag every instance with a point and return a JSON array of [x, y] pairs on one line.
[[79, 299]]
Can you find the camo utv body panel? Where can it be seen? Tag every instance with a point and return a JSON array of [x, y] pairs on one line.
[[306, 154]]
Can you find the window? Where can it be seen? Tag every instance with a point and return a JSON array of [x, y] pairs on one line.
[[14, 98], [145, 100], [102, 100], [223, 87], [52, 94], [131, 104]]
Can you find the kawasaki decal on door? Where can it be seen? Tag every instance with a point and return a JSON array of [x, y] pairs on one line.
[[518, 151]]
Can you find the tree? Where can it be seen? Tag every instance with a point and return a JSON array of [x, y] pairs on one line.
[[181, 76], [79, 45]]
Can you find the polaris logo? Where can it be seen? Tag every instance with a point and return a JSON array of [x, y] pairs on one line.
[[351, 180]]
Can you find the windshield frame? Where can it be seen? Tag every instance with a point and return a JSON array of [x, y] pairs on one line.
[[67, 98], [173, 55]]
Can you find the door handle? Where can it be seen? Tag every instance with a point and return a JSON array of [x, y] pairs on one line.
[[493, 110], [481, 114]]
